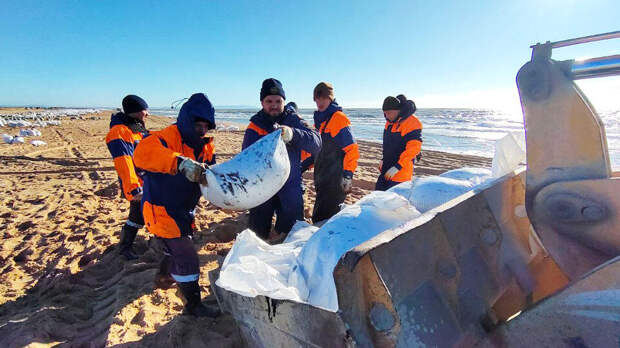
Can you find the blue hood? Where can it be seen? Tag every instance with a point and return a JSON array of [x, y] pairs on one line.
[[321, 116], [407, 109], [197, 107]]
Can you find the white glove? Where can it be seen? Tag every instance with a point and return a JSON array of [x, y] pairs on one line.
[[287, 133], [193, 171], [391, 172], [346, 184]]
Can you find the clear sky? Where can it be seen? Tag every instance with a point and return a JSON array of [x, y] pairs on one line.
[[439, 53]]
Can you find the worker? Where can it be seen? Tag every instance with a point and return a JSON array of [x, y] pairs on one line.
[[127, 128], [175, 160], [402, 142], [288, 203], [335, 164]]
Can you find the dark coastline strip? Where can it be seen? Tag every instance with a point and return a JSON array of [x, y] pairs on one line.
[[61, 171]]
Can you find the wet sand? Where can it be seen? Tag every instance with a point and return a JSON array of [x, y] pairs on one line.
[[61, 280]]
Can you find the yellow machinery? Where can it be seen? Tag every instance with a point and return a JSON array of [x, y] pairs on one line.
[[459, 273]]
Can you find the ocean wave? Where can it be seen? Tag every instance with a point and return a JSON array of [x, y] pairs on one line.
[[463, 131]]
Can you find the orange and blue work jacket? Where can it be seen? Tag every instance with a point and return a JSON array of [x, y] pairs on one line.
[[124, 135], [339, 151], [402, 142], [170, 199]]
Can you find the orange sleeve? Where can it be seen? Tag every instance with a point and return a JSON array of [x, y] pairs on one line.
[[412, 133], [351, 155], [129, 179], [120, 142], [151, 154], [412, 149], [339, 128]]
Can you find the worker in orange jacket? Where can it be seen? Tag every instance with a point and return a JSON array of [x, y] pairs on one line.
[[175, 160], [402, 142], [336, 162], [126, 130]]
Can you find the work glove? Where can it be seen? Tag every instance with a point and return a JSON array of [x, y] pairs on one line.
[[380, 165], [193, 171], [137, 197], [390, 173], [287, 133], [346, 184]]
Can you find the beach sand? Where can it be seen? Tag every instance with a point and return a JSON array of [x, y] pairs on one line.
[[61, 279]]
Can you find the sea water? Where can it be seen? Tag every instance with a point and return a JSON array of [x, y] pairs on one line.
[[461, 131]]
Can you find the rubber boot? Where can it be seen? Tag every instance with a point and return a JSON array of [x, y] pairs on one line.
[[163, 279], [128, 235], [193, 306]]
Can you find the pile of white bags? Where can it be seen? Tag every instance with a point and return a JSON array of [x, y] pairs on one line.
[[9, 139], [301, 269]]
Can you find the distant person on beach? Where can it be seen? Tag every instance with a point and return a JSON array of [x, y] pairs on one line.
[[126, 130], [402, 142], [175, 160], [288, 203], [335, 164]]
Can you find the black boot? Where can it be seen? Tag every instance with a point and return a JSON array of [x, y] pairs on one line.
[[193, 306], [128, 235]]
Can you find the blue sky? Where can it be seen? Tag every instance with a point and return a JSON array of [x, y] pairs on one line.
[[451, 53]]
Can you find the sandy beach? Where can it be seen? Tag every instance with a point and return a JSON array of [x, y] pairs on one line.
[[61, 279]]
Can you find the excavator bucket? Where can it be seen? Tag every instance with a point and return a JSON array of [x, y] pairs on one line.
[[458, 274]]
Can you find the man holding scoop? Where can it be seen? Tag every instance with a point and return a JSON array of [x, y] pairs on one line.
[[175, 160]]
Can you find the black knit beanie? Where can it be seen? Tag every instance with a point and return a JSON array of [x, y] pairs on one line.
[[133, 103], [271, 87], [391, 103]]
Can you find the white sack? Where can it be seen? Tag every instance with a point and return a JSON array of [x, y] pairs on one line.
[[253, 267], [38, 142], [355, 224], [29, 133], [509, 154], [430, 192], [427, 193], [476, 176], [251, 177]]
